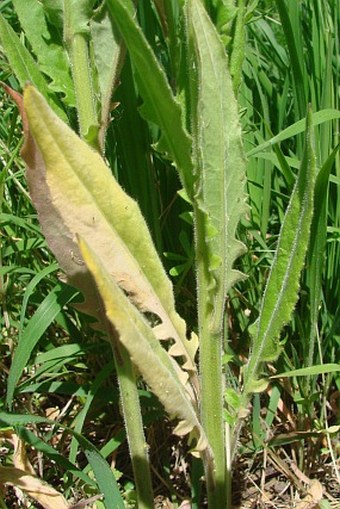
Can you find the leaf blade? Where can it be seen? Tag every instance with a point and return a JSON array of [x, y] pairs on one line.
[[281, 291], [145, 351], [160, 106], [218, 155], [75, 193]]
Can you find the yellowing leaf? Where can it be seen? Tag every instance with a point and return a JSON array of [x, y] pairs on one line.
[[146, 352], [74, 192], [22, 475], [34, 487]]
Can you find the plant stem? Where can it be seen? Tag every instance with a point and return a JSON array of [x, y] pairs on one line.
[[82, 84], [77, 44], [134, 427], [210, 375]]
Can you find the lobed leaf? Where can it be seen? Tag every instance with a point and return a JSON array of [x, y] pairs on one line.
[[218, 155], [146, 353], [75, 193], [47, 46], [160, 106], [23, 65], [281, 291]]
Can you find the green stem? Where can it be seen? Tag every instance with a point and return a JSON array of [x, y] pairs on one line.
[[134, 427], [210, 375], [83, 85], [77, 44]]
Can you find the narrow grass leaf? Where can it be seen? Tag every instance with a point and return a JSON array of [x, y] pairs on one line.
[[103, 473], [160, 106], [37, 325], [310, 371], [289, 20], [30, 289], [318, 118], [92, 393], [63, 352], [281, 291], [104, 476], [40, 445], [317, 249]]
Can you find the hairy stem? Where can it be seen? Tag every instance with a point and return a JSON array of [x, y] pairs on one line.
[[211, 376], [77, 44], [134, 427]]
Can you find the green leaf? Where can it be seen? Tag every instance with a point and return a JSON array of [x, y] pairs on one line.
[[30, 289], [310, 371], [76, 18], [40, 445], [318, 118], [160, 106], [37, 325], [107, 51], [153, 362], [104, 476], [281, 291], [317, 248], [218, 155], [23, 65], [47, 46], [75, 193], [79, 421]]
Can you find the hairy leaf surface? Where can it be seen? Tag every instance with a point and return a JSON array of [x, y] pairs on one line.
[[281, 291], [218, 155], [75, 193], [146, 352], [160, 106], [108, 52]]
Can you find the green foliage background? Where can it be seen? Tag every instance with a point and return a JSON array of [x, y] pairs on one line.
[[289, 55]]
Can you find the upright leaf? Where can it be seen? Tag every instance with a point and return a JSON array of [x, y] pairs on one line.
[[281, 291], [160, 106], [49, 308], [218, 155], [317, 249], [108, 55]]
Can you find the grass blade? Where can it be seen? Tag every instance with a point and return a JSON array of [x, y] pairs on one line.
[[37, 325]]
